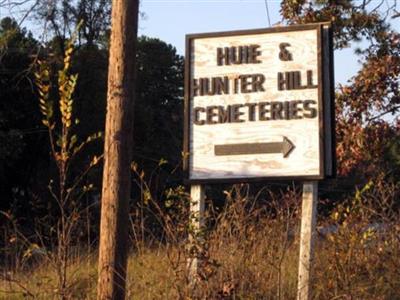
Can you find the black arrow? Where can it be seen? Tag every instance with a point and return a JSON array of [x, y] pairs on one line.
[[285, 147]]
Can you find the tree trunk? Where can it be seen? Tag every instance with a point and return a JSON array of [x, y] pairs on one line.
[[118, 151]]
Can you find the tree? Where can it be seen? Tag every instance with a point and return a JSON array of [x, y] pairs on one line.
[[25, 166], [365, 134], [159, 106], [64, 16], [21, 138], [67, 190]]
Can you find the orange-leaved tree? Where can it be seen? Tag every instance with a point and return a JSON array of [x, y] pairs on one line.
[[367, 106]]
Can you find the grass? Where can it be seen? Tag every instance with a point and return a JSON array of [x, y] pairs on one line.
[[250, 252], [240, 272]]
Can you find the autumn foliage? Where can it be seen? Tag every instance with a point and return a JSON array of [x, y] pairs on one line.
[[366, 107]]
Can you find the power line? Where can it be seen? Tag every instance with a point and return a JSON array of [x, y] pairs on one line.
[[266, 8]]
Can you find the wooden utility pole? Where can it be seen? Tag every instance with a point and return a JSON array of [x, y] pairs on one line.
[[307, 233], [118, 151]]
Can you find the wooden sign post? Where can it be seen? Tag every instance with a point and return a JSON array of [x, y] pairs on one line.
[[259, 106], [197, 206], [307, 232]]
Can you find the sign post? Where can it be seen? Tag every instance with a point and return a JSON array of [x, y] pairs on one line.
[[307, 233], [197, 206], [259, 106]]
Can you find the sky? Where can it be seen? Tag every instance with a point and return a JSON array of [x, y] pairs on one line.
[[171, 20]]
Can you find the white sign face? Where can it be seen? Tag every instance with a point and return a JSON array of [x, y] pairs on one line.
[[254, 104]]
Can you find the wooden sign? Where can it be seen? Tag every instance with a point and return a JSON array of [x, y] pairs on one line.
[[259, 105]]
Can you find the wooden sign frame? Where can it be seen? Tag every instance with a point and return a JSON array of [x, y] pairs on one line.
[[327, 164]]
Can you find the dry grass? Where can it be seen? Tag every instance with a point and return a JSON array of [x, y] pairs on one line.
[[251, 252]]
